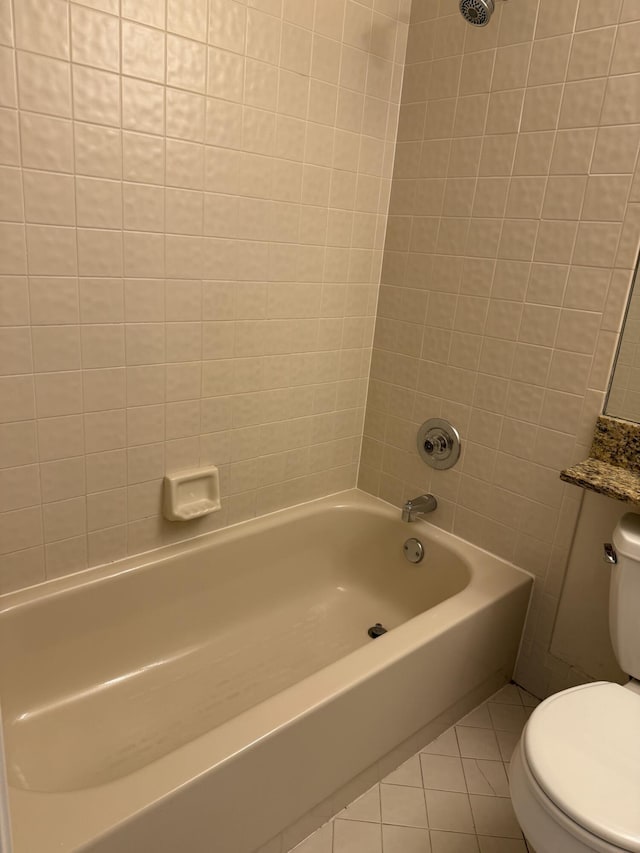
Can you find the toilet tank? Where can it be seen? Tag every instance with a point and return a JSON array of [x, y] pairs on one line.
[[624, 594]]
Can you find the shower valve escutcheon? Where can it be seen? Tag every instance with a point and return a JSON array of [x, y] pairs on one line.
[[439, 443]]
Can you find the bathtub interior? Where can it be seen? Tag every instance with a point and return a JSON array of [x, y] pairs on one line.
[[121, 670]]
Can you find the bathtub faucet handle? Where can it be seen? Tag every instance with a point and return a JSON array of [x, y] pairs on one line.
[[418, 506]]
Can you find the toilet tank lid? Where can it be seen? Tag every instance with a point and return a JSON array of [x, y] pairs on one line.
[[583, 748], [626, 536]]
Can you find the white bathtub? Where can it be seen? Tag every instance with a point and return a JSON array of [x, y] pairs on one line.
[[204, 697]]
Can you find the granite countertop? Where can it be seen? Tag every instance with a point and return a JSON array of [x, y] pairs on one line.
[[613, 465], [605, 478]]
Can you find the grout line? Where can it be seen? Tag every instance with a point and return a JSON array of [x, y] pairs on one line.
[[35, 419]]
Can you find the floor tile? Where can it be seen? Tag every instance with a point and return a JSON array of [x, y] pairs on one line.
[[350, 836], [486, 777], [453, 842], [450, 797], [508, 718], [528, 700], [405, 839], [479, 718], [403, 805], [366, 807], [443, 772], [507, 743], [494, 816], [320, 842], [446, 744], [510, 694], [408, 773], [478, 743], [449, 812]]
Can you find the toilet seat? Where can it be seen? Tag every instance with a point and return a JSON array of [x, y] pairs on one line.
[[543, 823], [582, 748]]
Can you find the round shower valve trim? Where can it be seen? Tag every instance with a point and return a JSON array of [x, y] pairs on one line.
[[439, 443]]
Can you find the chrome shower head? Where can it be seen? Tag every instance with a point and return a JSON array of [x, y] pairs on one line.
[[477, 12]]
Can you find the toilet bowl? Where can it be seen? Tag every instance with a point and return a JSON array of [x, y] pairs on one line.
[[575, 773]]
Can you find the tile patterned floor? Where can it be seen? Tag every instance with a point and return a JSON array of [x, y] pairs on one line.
[[451, 797]]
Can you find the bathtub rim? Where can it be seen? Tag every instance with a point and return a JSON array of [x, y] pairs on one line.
[[99, 808], [348, 498]]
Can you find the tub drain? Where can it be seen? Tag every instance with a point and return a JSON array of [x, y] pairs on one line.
[[376, 630]]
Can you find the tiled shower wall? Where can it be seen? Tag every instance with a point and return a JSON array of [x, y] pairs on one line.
[[513, 228], [192, 212]]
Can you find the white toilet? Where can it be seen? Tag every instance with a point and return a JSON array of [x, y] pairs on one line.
[[575, 774]]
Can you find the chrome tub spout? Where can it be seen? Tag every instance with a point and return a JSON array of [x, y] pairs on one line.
[[416, 507]]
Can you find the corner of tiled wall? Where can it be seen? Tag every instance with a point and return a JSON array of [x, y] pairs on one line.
[[193, 199], [513, 231]]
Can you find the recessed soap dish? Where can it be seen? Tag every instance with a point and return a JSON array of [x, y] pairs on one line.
[[191, 494]]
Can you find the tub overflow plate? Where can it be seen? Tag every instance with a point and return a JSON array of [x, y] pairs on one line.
[[413, 550]]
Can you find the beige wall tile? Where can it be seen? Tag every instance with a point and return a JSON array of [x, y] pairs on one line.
[[606, 198], [119, 363], [47, 142], [98, 151], [591, 53], [564, 196], [572, 152], [42, 27], [515, 313], [49, 198], [582, 103], [188, 18], [541, 107], [227, 25], [143, 52], [96, 96], [14, 301], [625, 55], [54, 301], [555, 18], [8, 89], [44, 84], [11, 195], [629, 11], [9, 144], [146, 11], [95, 39], [591, 15], [143, 106], [253, 149], [511, 66], [20, 529], [622, 105], [549, 60], [65, 553], [616, 149], [186, 63]]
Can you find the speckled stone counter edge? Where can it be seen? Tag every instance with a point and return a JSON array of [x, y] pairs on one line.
[[613, 466]]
